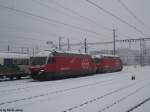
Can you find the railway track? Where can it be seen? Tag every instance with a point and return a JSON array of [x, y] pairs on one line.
[[35, 86], [43, 96], [24, 79], [108, 94], [55, 92], [70, 89], [8, 80], [39, 85], [13, 82], [27, 81], [138, 105], [124, 98]]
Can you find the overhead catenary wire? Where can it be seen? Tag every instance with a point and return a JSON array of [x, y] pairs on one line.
[[30, 38], [116, 17], [50, 20], [129, 37], [125, 35], [108, 42], [72, 13], [89, 43], [20, 47], [45, 40], [131, 13], [50, 7], [39, 40], [6, 42], [28, 31], [78, 14]]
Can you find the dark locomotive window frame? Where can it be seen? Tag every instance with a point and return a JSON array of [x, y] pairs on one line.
[[51, 60]]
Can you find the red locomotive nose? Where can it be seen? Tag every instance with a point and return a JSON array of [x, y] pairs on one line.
[[36, 68]]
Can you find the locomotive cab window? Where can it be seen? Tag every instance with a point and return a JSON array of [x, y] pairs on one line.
[[38, 60], [51, 60]]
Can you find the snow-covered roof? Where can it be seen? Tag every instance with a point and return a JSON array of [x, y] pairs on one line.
[[43, 53], [104, 55], [13, 55], [109, 55], [70, 52], [50, 53]]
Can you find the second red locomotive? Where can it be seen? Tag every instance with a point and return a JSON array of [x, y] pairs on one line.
[[108, 63], [49, 65]]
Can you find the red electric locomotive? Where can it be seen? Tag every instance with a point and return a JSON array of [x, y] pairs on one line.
[[50, 65], [108, 63]]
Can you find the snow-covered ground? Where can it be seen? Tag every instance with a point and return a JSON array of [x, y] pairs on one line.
[[112, 92]]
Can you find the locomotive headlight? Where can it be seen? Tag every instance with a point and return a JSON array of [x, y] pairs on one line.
[[41, 71]]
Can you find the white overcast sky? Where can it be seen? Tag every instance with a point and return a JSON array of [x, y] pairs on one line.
[[33, 22]]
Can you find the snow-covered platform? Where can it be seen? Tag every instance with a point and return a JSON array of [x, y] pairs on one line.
[[112, 92]]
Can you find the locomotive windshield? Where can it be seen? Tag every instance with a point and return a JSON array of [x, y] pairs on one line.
[[38, 60]]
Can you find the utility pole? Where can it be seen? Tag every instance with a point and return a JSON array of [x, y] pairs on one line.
[[142, 51], [8, 48], [68, 44], [85, 45], [33, 51], [59, 39], [114, 40]]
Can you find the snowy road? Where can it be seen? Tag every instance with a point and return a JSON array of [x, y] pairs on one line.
[[113, 92]]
